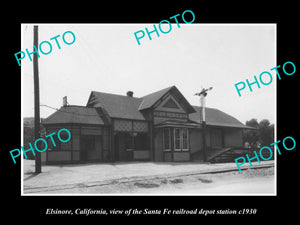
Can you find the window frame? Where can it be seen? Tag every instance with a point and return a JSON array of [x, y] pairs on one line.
[[164, 141], [176, 139], [187, 139], [181, 139]]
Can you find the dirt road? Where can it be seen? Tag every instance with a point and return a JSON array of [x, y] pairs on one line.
[[251, 181]]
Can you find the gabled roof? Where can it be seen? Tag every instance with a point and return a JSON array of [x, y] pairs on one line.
[[215, 117], [151, 99], [117, 106], [103, 106], [125, 107], [72, 114]]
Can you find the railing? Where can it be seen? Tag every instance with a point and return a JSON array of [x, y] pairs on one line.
[[229, 154]]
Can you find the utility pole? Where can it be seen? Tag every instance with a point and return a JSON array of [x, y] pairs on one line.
[[202, 95], [38, 164]]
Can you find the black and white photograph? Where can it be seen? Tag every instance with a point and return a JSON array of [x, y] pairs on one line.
[[175, 112], [143, 109]]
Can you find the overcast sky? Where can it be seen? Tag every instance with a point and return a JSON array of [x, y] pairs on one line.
[[107, 58]]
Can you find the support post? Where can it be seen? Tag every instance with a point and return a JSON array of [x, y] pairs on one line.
[[38, 164], [202, 116]]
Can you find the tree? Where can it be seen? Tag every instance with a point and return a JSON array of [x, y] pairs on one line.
[[263, 135], [266, 132], [252, 123], [251, 136]]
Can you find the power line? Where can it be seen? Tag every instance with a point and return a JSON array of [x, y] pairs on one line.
[[67, 112]]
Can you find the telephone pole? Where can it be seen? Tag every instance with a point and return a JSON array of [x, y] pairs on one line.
[[202, 95], [38, 164]]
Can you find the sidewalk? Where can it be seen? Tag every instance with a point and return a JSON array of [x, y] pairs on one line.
[[86, 175]]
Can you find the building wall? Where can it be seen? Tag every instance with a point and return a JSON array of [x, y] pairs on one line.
[[233, 137], [62, 151], [95, 154], [43, 157], [95, 134], [70, 151], [62, 156], [123, 147], [168, 157], [141, 155], [88, 130], [158, 145], [181, 156], [195, 140], [75, 143]]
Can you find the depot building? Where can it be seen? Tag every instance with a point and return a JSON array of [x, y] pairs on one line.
[[162, 127]]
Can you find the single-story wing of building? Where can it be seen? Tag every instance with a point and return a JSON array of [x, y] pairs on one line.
[[160, 127]]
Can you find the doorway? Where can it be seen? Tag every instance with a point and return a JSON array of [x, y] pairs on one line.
[[123, 147]]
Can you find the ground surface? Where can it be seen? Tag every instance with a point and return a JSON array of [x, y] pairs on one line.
[[150, 178]]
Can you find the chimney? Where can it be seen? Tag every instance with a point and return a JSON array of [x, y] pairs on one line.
[[129, 94], [65, 102]]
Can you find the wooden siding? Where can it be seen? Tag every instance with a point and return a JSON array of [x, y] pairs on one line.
[[181, 156], [76, 156], [195, 140], [96, 153], [233, 137], [143, 155], [91, 131], [168, 156], [75, 142], [58, 156], [158, 145], [44, 157], [71, 151]]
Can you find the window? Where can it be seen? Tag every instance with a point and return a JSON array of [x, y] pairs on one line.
[[181, 139], [177, 139], [184, 133], [166, 139]]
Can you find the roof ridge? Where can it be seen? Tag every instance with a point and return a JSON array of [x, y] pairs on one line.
[[159, 90], [115, 94], [161, 93]]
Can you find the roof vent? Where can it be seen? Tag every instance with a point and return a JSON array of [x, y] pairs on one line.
[[129, 93]]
